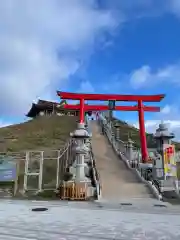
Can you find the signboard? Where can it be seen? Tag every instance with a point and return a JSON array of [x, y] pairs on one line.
[[112, 104], [7, 170], [7, 175], [169, 161], [66, 114]]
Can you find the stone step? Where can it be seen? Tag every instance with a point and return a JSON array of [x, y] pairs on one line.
[[116, 179]]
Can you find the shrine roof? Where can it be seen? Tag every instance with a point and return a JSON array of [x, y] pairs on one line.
[[43, 105]]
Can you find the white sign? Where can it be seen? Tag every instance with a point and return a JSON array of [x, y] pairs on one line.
[[66, 114]]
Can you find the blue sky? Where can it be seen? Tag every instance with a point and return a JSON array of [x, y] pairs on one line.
[[106, 46]]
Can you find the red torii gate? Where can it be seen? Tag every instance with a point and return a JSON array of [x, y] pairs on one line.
[[107, 97]]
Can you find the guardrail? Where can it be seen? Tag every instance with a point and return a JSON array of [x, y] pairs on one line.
[[96, 177], [130, 155]]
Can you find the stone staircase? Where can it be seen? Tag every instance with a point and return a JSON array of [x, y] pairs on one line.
[[117, 181]]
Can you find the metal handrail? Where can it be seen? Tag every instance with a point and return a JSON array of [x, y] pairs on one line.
[[95, 172]]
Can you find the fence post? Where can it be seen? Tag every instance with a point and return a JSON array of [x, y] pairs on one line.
[[26, 172], [67, 155], [41, 171], [17, 177], [57, 172]]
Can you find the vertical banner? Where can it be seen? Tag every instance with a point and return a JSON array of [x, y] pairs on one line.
[[169, 161]]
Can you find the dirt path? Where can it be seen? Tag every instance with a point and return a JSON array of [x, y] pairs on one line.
[[118, 182]]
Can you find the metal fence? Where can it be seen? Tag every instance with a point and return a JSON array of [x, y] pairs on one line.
[[40, 170], [45, 169]]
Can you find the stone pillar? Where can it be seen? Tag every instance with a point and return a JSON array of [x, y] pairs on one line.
[[112, 132], [130, 154], [113, 140], [80, 150], [122, 147], [102, 128], [87, 157], [117, 131], [117, 136], [110, 115]]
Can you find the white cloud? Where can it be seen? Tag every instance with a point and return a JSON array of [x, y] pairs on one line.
[[86, 87], [166, 109], [4, 124], [170, 115], [173, 126], [145, 76], [41, 45], [152, 125], [175, 6], [140, 76]]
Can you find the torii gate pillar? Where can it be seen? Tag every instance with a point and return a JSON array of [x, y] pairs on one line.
[[82, 110], [142, 131]]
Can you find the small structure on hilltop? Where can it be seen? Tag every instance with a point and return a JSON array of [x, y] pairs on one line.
[[47, 108]]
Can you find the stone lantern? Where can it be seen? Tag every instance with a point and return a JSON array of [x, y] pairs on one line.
[[117, 131]]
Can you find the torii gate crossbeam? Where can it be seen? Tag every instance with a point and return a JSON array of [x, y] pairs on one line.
[[106, 97], [117, 108]]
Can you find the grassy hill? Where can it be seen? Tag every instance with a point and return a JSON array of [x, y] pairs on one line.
[[51, 132], [42, 133]]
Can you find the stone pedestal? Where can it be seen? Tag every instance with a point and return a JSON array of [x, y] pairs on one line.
[[80, 135], [79, 187]]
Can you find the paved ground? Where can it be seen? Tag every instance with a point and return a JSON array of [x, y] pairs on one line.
[[117, 181], [85, 221]]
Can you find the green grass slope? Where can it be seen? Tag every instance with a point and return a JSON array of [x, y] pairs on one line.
[[51, 132], [42, 133]]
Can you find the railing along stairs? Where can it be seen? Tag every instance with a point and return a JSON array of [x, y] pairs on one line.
[[96, 177], [132, 157]]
